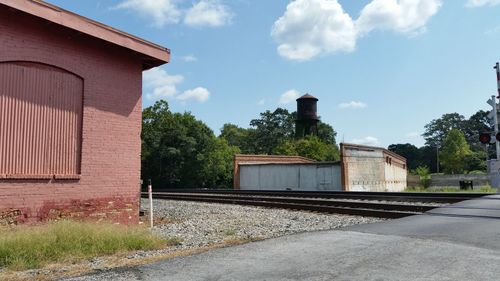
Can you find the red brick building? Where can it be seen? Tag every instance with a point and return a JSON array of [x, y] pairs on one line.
[[70, 115]]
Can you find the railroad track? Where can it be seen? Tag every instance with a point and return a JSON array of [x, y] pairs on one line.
[[352, 203]]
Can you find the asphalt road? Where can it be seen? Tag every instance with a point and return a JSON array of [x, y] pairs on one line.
[[450, 244]]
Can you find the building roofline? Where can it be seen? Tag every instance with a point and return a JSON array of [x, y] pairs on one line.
[[275, 156], [38, 8], [395, 155], [290, 164]]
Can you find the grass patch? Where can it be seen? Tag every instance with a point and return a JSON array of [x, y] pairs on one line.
[[25, 247], [229, 232], [485, 189]]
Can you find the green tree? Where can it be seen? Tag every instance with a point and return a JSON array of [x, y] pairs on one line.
[[454, 152], [277, 127], [271, 129], [310, 147], [475, 125], [437, 130], [326, 133], [218, 164], [408, 151], [428, 156], [239, 137], [180, 151]]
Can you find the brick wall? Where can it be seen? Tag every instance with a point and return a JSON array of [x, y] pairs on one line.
[[263, 159], [110, 164]]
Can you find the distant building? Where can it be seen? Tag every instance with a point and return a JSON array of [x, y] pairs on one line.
[[70, 115], [367, 168], [361, 168]]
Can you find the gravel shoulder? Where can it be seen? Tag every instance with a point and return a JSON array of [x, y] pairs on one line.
[[203, 224], [193, 227]]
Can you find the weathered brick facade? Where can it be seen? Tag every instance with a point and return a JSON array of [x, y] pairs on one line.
[[108, 185]]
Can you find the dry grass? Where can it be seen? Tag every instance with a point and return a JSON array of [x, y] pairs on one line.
[[52, 271], [66, 241]]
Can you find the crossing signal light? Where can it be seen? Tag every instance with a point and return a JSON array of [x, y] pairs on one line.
[[485, 138]]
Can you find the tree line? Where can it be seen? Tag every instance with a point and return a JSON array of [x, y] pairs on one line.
[[451, 145], [179, 151]]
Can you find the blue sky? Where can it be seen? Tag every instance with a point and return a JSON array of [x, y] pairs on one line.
[[381, 69]]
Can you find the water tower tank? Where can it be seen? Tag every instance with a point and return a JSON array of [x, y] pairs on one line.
[[307, 117], [307, 108]]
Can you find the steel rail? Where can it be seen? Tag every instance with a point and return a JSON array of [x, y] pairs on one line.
[[373, 209], [359, 195]]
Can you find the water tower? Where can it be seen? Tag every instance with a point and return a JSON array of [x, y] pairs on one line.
[[307, 119]]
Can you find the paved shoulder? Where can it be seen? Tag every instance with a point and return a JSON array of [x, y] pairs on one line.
[[331, 255], [472, 222]]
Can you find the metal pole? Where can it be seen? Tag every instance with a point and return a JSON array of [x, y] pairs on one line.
[[437, 159], [497, 67], [486, 146], [495, 121], [150, 193]]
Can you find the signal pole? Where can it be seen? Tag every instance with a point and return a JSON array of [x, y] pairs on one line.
[[497, 67], [494, 164], [494, 115]]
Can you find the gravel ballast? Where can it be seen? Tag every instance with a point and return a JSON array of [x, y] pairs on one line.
[[202, 224], [192, 227]]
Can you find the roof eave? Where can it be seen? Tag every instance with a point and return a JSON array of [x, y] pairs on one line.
[[156, 54]]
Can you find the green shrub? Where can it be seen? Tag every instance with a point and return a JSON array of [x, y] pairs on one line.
[[424, 173], [27, 247]]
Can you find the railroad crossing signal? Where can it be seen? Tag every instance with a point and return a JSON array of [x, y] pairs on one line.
[[485, 138], [495, 111], [494, 117]]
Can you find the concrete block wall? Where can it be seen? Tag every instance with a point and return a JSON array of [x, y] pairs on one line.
[[366, 168], [454, 180], [108, 188]]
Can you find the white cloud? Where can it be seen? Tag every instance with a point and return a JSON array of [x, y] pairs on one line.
[[353, 105], [160, 11], [158, 84], [199, 94], [189, 58], [479, 3], [369, 140], [208, 12], [310, 28], [289, 96], [262, 101], [405, 16]]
